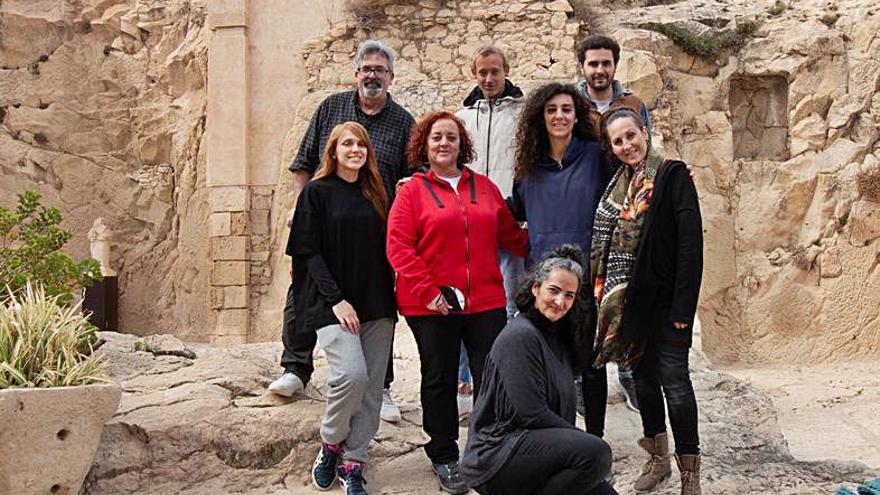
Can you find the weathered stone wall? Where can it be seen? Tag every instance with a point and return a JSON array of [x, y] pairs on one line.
[[435, 41]]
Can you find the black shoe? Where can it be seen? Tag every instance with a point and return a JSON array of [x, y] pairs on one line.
[[579, 391], [324, 469], [449, 477], [627, 386], [352, 479]]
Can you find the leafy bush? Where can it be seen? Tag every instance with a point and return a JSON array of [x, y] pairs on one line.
[[44, 343], [30, 241], [710, 45], [777, 8]]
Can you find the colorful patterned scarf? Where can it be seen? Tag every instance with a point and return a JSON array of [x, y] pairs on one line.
[[617, 229]]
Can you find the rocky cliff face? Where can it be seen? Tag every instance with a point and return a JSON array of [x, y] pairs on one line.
[[102, 109]]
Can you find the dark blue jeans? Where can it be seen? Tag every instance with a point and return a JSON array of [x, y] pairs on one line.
[[663, 371]]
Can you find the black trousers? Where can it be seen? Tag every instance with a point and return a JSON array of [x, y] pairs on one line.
[[594, 386], [439, 340], [663, 371], [300, 346], [554, 461]]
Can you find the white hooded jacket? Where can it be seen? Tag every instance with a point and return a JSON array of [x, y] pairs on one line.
[[492, 128]]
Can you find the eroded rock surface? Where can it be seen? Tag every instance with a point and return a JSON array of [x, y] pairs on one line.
[[207, 426], [102, 109]]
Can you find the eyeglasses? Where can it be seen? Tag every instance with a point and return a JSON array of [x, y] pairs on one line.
[[377, 71]]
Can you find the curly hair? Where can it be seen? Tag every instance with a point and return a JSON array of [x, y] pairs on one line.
[[417, 148], [532, 141], [576, 328]]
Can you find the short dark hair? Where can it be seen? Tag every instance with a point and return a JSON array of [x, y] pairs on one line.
[[417, 148], [598, 43]]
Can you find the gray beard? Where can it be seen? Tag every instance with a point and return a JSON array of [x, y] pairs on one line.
[[369, 92]]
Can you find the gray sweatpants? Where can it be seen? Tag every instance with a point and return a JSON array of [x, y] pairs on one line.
[[354, 381]]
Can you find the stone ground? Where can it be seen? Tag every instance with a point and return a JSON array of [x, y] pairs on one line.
[[203, 424], [837, 404]]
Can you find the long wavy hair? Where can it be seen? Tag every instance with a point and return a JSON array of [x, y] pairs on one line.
[[532, 141], [417, 148], [575, 326], [368, 175]]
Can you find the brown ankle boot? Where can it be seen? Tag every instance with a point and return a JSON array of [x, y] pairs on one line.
[[658, 467], [689, 466]]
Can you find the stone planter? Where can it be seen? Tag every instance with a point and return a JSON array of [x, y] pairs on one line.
[[49, 436]]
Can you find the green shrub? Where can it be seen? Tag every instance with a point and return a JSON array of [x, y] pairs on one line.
[[710, 45], [777, 8], [44, 343], [31, 238]]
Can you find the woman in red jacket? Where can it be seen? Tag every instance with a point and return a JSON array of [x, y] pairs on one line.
[[444, 230]]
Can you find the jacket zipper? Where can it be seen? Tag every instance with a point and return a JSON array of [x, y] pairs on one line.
[[467, 252], [488, 139]]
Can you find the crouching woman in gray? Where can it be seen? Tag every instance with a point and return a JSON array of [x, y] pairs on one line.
[[343, 287], [523, 437]]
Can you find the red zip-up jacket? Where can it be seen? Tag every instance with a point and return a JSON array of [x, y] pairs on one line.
[[436, 237]]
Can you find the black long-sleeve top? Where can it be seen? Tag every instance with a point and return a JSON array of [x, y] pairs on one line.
[[337, 242], [668, 269], [528, 384]]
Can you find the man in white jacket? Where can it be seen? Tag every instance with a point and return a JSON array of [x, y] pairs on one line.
[[491, 114]]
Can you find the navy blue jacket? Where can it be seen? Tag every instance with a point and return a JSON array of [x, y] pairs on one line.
[[559, 200]]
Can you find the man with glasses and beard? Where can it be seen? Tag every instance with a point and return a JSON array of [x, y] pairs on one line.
[[388, 125]]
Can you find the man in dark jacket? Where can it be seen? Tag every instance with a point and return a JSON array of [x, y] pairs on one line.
[[389, 126]]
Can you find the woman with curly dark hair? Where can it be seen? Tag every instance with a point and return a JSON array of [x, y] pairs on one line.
[[444, 231], [561, 173], [523, 437]]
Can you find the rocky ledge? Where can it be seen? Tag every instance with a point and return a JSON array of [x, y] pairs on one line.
[[197, 420]]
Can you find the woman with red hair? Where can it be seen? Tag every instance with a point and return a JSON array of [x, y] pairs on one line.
[[444, 231]]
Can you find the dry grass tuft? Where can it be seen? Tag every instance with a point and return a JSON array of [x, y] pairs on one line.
[[868, 184]]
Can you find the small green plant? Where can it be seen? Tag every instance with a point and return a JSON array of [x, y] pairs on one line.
[[777, 8], [31, 238], [710, 45], [46, 344]]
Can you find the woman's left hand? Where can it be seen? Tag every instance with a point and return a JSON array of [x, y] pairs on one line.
[[679, 325]]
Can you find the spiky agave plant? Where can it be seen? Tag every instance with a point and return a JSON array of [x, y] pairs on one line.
[[45, 344]]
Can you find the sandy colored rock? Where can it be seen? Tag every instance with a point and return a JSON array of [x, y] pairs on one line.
[[208, 426], [49, 436]]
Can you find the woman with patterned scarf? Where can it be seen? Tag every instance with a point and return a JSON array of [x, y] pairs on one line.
[[646, 265]]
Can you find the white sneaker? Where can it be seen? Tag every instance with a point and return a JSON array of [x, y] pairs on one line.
[[465, 406], [286, 386], [389, 412]]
